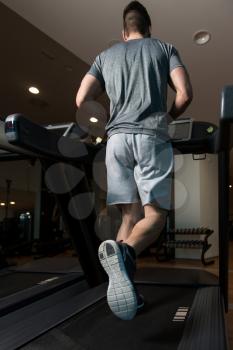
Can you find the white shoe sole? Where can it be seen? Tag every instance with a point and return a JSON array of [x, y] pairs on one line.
[[121, 295]]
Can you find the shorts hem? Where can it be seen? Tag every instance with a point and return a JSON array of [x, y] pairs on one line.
[[155, 203], [131, 202]]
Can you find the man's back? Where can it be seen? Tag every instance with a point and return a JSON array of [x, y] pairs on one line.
[[135, 74]]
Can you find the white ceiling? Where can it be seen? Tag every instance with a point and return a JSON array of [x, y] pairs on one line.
[[86, 27]]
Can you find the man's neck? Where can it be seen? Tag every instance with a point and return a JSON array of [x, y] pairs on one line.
[[134, 36]]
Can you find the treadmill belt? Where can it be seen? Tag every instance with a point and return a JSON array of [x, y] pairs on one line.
[[97, 328], [58, 264], [16, 281]]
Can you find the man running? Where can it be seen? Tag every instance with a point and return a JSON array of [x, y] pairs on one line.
[[135, 75]]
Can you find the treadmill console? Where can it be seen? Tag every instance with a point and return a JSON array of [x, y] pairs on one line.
[[11, 129], [181, 129], [194, 137]]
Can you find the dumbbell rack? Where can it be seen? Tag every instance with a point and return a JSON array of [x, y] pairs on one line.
[[167, 245]]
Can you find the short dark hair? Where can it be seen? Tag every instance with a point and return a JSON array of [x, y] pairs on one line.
[[136, 18]]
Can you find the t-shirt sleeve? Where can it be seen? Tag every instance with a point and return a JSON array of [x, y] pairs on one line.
[[174, 59], [96, 71]]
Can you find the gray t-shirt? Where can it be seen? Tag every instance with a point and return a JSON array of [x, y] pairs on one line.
[[135, 76]]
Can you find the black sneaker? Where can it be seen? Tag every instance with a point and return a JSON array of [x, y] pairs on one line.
[[129, 259], [120, 266], [140, 301]]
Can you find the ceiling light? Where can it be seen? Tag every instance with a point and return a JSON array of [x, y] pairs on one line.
[[2, 204], [34, 90], [202, 37], [98, 139], [93, 120], [12, 203], [230, 186]]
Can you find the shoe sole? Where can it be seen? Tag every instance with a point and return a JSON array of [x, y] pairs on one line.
[[121, 296]]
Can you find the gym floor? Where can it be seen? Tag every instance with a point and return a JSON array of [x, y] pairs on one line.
[[150, 262]]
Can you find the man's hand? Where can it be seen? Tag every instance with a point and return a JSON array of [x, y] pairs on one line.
[[90, 89], [180, 83]]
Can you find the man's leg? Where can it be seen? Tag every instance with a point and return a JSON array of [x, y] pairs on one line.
[[131, 214], [119, 259], [147, 230]]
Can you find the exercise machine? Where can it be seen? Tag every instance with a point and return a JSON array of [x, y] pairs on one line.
[[25, 284], [185, 307]]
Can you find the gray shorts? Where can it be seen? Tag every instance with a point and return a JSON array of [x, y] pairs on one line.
[[139, 167]]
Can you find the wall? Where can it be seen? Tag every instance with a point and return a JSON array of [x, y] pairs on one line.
[[200, 209]]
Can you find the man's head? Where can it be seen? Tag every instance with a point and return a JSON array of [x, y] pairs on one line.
[[136, 20]]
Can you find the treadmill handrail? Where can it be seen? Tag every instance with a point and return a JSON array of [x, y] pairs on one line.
[[44, 142], [40, 140]]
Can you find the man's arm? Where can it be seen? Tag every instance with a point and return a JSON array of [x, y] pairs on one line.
[[90, 89], [180, 83]]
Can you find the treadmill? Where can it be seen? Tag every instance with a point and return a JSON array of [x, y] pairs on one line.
[[185, 308], [22, 285]]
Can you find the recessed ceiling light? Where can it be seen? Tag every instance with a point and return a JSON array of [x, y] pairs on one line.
[[230, 186], [12, 203], [98, 139], [2, 204], [201, 37], [33, 90], [93, 120]]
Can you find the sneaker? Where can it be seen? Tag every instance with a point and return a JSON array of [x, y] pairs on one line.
[[140, 301], [129, 259], [120, 266]]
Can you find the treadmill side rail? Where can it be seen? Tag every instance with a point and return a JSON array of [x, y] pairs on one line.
[[205, 326], [22, 326]]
